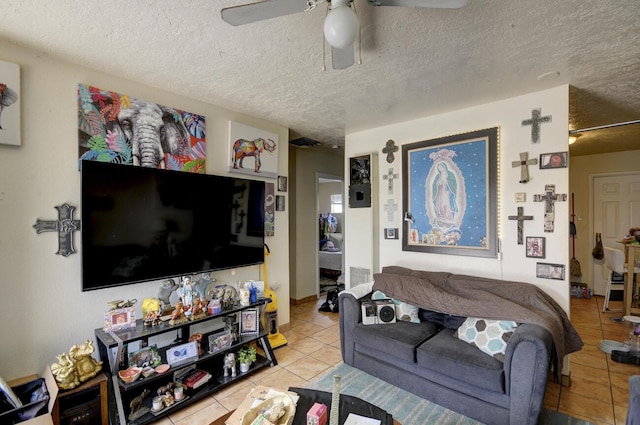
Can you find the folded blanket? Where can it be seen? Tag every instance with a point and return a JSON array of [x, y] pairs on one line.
[[472, 296]]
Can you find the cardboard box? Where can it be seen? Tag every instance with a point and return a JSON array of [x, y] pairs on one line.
[[317, 415], [52, 388]]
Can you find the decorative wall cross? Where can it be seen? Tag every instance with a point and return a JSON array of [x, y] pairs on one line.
[[549, 197], [389, 149], [535, 121], [520, 219], [390, 176], [524, 166], [65, 226], [390, 207]]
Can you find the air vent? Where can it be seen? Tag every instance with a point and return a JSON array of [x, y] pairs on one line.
[[304, 142]]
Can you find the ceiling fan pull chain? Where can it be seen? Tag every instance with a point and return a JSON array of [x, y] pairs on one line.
[[359, 37]]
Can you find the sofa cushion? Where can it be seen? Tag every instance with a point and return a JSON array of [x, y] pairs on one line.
[[450, 356], [399, 339], [404, 311], [490, 336]]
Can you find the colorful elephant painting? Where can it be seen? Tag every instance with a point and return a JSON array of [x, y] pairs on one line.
[[243, 148], [115, 128]]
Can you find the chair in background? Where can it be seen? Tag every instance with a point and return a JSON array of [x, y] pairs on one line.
[[614, 260]]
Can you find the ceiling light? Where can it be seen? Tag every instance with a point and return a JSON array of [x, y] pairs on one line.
[[341, 24], [573, 139]]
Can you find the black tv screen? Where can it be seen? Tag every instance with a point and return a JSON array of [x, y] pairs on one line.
[[141, 224]]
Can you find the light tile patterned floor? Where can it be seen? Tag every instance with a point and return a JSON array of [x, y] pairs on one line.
[[598, 393]]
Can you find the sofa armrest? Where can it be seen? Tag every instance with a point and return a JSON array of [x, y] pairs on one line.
[[526, 369], [350, 316]]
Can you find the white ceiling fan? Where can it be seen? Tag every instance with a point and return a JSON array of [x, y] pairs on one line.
[[340, 26]]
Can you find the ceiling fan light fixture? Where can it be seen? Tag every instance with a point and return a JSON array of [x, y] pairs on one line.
[[341, 25]]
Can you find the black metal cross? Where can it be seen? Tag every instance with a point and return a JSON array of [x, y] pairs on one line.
[[65, 226], [520, 217], [549, 197], [390, 176], [389, 149], [534, 122], [524, 166]]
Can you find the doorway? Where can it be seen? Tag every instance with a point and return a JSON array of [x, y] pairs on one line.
[[616, 208], [329, 234]]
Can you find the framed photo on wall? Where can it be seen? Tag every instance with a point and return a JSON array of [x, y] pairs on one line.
[[535, 247], [554, 160], [550, 271], [448, 215]]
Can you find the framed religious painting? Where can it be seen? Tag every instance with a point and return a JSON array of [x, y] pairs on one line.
[[449, 194]]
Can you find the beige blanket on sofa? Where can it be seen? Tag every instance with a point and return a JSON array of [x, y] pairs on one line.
[[471, 296]]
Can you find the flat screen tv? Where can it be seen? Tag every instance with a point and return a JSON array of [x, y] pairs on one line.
[[141, 224]]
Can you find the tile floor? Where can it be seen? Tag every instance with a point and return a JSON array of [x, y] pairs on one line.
[[598, 391]]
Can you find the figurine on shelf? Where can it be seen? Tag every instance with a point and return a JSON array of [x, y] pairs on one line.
[[65, 372], [198, 309], [177, 316], [86, 366], [152, 318], [137, 407], [229, 297], [187, 296], [197, 337], [230, 364], [231, 325], [166, 289], [166, 389]]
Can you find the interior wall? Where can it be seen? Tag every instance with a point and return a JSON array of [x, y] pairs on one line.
[[581, 169], [304, 166], [512, 264], [44, 308]]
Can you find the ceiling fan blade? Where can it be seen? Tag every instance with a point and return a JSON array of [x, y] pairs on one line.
[[342, 58], [436, 4], [254, 12]]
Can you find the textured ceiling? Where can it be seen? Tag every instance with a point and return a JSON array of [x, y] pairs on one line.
[[415, 61]]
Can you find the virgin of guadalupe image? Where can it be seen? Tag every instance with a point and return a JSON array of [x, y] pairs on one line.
[[445, 200]]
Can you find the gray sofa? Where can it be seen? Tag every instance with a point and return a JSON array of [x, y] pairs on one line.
[[428, 360]]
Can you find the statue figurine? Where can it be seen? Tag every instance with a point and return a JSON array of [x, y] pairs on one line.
[[86, 366], [197, 337], [197, 311], [230, 364], [65, 372], [137, 407], [177, 316]]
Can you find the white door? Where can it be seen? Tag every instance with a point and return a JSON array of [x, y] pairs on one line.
[[616, 208]]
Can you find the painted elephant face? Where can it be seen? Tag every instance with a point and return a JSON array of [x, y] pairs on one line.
[[270, 145], [152, 130]]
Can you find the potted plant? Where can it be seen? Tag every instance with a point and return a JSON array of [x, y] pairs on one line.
[[246, 356]]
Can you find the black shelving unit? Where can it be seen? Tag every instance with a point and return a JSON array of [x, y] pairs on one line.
[[112, 345]]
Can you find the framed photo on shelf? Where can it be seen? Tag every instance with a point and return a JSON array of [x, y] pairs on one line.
[[553, 160], [147, 356], [535, 247], [249, 321], [119, 319], [182, 353], [219, 341], [550, 271]]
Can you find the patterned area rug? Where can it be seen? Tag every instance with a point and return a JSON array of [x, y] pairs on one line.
[[407, 408]]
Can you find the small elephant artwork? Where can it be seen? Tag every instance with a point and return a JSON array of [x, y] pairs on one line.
[[248, 142], [113, 127]]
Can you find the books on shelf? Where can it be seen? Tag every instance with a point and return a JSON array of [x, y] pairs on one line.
[[195, 379]]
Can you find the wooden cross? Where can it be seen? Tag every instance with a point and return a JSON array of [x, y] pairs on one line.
[[65, 226], [389, 149], [524, 166], [390, 176], [549, 197], [520, 219], [534, 122], [390, 207]]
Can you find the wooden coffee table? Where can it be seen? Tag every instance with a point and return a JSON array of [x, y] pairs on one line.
[[221, 420]]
